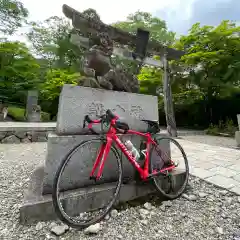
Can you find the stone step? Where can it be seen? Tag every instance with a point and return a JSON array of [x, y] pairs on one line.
[[25, 132], [82, 161], [38, 207]]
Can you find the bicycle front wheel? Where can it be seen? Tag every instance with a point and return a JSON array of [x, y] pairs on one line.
[[78, 200], [168, 152]]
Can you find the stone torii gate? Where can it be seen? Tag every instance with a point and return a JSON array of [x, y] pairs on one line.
[[89, 31]]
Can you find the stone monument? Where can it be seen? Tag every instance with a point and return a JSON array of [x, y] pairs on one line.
[[3, 111], [33, 110], [237, 133], [105, 86], [101, 40]]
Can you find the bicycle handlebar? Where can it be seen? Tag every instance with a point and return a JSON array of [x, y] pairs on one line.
[[108, 117]]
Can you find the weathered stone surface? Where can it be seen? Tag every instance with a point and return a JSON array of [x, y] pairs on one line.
[[124, 38], [25, 132], [77, 172], [32, 99], [222, 181], [20, 134], [11, 139], [1, 117], [38, 207], [237, 137], [3, 135], [202, 173], [27, 126], [93, 229], [59, 230], [25, 137], [34, 117], [37, 136], [238, 119], [26, 140], [75, 102]]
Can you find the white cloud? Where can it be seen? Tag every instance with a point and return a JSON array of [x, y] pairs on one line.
[[179, 14], [109, 10]]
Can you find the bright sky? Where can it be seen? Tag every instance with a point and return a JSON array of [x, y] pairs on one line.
[[179, 14], [109, 10]]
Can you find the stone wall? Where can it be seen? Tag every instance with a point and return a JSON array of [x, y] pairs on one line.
[[25, 132], [23, 136]]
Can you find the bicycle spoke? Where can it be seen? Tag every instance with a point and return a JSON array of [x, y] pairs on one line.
[[95, 197], [173, 159]]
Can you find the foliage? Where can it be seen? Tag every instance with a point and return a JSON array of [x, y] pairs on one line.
[[51, 88], [18, 114], [18, 69], [144, 20], [51, 41], [187, 97], [150, 80], [150, 77], [224, 129], [12, 14], [206, 77], [54, 81], [212, 62]]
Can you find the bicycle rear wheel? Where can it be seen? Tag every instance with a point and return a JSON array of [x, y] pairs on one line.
[[73, 194], [171, 184]]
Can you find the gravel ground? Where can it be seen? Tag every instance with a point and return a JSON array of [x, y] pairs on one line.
[[212, 140], [204, 212]]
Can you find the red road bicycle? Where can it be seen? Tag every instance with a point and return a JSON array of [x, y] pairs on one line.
[[156, 165]]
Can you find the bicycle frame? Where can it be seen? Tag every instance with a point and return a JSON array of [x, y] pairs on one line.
[[111, 137]]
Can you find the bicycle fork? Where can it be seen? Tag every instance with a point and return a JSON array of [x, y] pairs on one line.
[[101, 158]]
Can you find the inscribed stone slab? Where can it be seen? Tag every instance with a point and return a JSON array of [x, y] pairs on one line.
[[75, 102]]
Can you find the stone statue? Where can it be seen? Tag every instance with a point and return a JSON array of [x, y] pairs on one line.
[[3, 111], [100, 72], [97, 65]]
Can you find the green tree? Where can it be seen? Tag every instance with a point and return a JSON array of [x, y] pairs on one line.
[[156, 26], [51, 88], [150, 80], [55, 80], [212, 60], [50, 40], [18, 70], [12, 15], [150, 77], [210, 69]]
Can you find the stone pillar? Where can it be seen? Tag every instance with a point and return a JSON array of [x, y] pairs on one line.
[[238, 119], [32, 101], [168, 104], [237, 133], [3, 111]]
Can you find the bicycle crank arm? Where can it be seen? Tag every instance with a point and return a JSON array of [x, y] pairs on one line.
[[95, 178], [155, 175]]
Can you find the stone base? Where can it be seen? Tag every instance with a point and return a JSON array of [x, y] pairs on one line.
[[24, 132], [78, 170], [38, 207], [237, 137]]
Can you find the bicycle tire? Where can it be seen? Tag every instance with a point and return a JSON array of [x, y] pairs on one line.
[[183, 187], [59, 212]]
